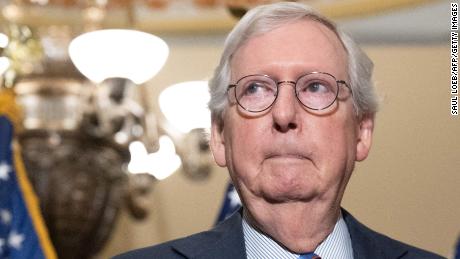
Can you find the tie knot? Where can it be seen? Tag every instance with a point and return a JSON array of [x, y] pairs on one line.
[[309, 256]]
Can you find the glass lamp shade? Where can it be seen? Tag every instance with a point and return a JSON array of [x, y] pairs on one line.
[[4, 65], [160, 164], [193, 111], [3, 40], [103, 54]]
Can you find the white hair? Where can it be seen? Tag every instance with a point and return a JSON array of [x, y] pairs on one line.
[[265, 18]]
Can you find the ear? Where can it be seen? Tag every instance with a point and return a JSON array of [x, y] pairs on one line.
[[364, 141], [217, 143]]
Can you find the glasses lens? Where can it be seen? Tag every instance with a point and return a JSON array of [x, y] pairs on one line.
[[255, 93], [317, 90]]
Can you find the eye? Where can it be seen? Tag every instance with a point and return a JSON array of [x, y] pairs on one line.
[[256, 88], [316, 88], [253, 88]]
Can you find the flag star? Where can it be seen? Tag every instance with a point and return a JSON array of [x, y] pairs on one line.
[[234, 198], [15, 240], [5, 216], [2, 243], [4, 170]]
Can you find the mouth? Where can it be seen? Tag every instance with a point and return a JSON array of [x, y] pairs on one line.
[[294, 158], [284, 153], [287, 156]]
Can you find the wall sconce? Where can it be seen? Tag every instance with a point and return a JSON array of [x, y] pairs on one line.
[[92, 147], [116, 53], [188, 125], [76, 134]]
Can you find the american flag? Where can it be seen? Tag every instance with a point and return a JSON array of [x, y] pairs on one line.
[[22, 231], [231, 203]]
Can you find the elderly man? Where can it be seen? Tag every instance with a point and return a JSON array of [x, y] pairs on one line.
[[293, 108]]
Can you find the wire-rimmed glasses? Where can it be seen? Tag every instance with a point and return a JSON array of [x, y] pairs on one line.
[[314, 90]]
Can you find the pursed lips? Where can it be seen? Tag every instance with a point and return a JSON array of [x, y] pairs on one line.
[[288, 151], [288, 156]]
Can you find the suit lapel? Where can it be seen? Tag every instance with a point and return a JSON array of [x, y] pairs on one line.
[[225, 241], [369, 244]]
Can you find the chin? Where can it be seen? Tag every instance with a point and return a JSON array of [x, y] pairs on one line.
[[289, 185]]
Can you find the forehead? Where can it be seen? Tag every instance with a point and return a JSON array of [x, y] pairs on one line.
[[301, 46]]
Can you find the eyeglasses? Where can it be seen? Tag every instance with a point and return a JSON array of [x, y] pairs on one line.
[[315, 90]]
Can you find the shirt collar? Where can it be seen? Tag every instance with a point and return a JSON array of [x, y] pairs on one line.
[[336, 245]]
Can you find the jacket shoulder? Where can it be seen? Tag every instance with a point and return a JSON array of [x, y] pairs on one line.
[[224, 241], [158, 251], [368, 243], [407, 251]]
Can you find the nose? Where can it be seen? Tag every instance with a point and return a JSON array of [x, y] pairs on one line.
[[284, 110]]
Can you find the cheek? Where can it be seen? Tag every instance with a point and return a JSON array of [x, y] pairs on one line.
[[338, 147], [243, 148]]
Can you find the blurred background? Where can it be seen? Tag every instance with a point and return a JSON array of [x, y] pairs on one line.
[[114, 122]]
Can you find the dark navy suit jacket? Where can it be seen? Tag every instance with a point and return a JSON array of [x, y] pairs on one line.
[[226, 241]]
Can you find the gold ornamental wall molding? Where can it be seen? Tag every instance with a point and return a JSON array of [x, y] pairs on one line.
[[363, 8], [195, 19]]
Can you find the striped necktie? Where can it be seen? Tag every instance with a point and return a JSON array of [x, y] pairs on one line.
[[309, 256]]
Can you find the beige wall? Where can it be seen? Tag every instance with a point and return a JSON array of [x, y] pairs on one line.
[[409, 187]]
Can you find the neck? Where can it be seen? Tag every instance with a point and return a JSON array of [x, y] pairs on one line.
[[298, 226]]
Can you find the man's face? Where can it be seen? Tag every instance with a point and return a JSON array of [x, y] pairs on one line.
[[290, 153]]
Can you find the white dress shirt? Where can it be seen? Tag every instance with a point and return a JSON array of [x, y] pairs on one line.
[[259, 245]]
